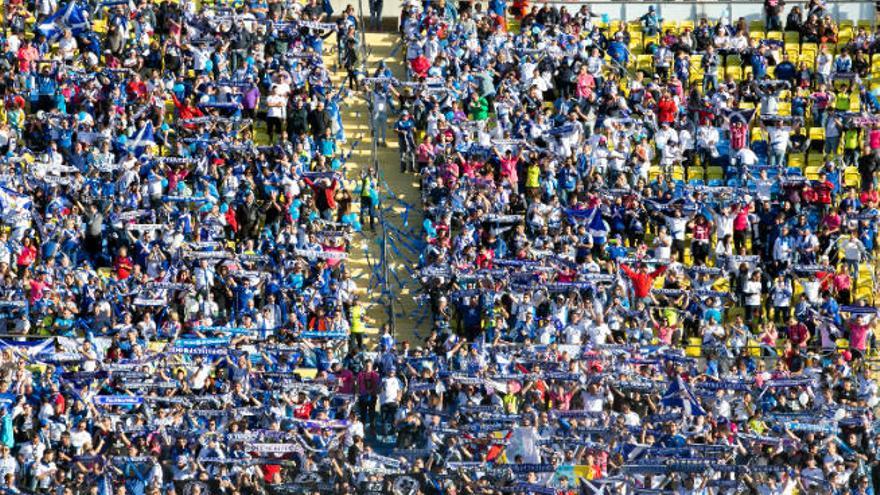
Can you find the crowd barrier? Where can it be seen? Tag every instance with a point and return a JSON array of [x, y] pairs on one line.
[[731, 10]]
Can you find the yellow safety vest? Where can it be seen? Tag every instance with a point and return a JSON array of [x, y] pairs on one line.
[[357, 325], [533, 174]]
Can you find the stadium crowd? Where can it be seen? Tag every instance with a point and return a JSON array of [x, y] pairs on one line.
[[648, 253], [649, 248]]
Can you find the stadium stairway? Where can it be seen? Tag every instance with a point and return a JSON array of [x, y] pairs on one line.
[[366, 250]]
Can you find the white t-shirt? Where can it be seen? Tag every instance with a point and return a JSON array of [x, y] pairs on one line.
[[44, 469], [80, 438], [275, 104], [753, 293], [389, 391], [573, 335], [599, 334]]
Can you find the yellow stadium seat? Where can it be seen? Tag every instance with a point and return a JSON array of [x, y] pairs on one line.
[[865, 23], [735, 72], [696, 173], [678, 173], [669, 26], [758, 35], [812, 172], [810, 48], [654, 172], [713, 173], [784, 108], [651, 39], [694, 347], [815, 159], [808, 59], [817, 133], [796, 160], [754, 348], [852, 178], [774, 35], [645, 63], [634, 27], [854, 102], [875, 60], [791, 37], [846, 24], [99, 26], [686, 25], [732, 60], [635, 47], [756, 27], [866, 293]]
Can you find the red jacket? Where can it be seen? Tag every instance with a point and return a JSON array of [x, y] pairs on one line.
[[642, 282], [185, 111], [666, 110]]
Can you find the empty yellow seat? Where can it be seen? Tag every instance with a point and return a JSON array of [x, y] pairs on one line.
[[812, 172], [817, 133], [815, 159], [851, 177], [810, 48], [713, 173], [784, 108], [774, 35], [669, 26], [734, 71], [696, 173], [678, 173], [866, 293], [756, 27], [791, 37], [809, 59]]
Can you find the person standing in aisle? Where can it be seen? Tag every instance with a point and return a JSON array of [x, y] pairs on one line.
[[404, 129], [376, 14]]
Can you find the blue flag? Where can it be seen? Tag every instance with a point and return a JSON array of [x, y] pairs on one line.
[[141, 140], [597, 228], [678, 395], [71, 16]]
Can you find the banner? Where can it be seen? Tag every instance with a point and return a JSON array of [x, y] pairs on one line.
[[118, 400], [199, 351]]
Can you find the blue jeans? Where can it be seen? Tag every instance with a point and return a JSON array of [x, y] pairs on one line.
[[831, 144], [819, 117], [707, 79], [777, 158]]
